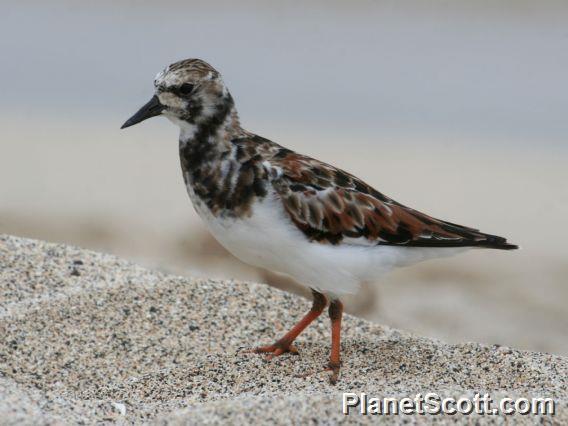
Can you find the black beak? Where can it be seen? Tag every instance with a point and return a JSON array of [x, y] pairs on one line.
[[151, 109]]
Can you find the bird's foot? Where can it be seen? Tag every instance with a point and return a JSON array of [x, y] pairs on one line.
[[276, 349], [331, 366], [334, 368]]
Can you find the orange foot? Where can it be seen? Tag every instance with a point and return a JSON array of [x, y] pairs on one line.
[[276, 349], [333, 367]]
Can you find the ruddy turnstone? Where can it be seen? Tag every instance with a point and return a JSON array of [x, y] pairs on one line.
[[286, 212]]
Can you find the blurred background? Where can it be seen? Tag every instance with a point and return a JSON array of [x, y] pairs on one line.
[[458, 109]]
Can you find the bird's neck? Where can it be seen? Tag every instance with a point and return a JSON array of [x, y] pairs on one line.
[[206, 151], [208, 138], [211, 163]]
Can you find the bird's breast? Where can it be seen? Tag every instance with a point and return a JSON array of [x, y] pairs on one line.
[[226, 187]]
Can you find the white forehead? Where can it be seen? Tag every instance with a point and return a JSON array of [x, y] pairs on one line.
[[168, 77]]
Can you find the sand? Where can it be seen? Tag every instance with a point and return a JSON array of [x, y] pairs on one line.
[[87, 337]]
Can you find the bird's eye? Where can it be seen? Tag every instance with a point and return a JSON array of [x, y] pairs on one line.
[[186, 88]]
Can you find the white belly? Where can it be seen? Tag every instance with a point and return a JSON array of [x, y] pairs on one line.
[[268, 239]]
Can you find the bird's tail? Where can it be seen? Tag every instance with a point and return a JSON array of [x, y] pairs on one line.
[[474, 237], [495, 242]]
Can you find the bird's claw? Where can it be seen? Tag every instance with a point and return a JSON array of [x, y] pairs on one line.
[[275, 350], [334, 368]]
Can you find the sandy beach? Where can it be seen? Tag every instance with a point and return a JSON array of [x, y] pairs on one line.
[[90, 338]]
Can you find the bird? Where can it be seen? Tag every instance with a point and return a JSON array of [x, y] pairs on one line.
[[288, 213]]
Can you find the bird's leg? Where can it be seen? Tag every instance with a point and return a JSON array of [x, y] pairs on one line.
[[284, 344], [335, 314]]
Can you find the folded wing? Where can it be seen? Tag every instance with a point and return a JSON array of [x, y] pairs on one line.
[[332, 206]]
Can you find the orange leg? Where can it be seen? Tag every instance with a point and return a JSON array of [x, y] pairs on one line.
[[284, 344], [335, 314]]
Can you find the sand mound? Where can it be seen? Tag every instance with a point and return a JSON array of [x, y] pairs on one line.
[[88, 337]]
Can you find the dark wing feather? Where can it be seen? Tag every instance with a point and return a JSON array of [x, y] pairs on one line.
[[330, 205]]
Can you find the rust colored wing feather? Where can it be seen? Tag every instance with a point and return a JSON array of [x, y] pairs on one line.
[[333, 206]]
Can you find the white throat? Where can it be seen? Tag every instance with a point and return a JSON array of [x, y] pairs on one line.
[[187, 130]]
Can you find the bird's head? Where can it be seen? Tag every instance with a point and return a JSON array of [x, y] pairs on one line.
[[187, 92]]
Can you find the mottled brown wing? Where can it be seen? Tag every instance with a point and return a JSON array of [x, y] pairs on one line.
[[330, 205]]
